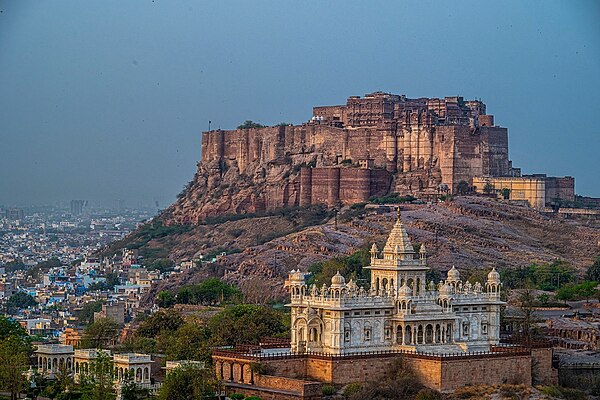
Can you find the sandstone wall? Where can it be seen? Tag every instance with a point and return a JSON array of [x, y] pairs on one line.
[[345, 371], [253, 170], [484, 371], [560, 188], [542, 370]]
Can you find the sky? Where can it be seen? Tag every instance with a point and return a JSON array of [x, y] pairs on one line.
[[107, 99]]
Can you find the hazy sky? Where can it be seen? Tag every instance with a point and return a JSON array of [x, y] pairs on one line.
[[107, 99]]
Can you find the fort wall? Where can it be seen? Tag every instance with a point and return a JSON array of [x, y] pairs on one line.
[[370, 146], [443, 373]]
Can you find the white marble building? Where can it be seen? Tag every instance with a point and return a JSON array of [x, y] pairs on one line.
[[400, 311]]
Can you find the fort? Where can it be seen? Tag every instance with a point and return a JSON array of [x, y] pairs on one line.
[[373, 145]]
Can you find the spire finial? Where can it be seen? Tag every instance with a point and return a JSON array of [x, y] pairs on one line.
[[398, 213]]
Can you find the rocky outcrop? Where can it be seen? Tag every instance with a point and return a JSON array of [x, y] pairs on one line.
[[469, 232], [345, 154]]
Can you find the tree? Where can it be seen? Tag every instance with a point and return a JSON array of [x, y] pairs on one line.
[[162, 264], [593, 272], [586, 290], [544, 298], [165, 299], [11, 328], [188, 383], [488, 188], [100, 334], [189, 342], [159, 322], [248, 124], [100, 377], [13, 364], [506, 194], [86, 315], [463, 188], [247, 323], [213, 291], [130, 390], [566, 293], [526, 301], [20, 301]]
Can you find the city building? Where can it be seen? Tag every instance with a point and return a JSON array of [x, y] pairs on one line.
[[538, 190], [51, 358]]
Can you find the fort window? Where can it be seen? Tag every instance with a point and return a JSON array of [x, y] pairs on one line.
[[475, 308], [367, 334], [465, 308], [367, 312], [455, 309], [483, 308], [346, 314], [387, 312], [356, 312]]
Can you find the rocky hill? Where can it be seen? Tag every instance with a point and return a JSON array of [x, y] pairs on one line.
[[468, 232]]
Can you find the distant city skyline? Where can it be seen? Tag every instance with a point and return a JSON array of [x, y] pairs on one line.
[[106, 100]]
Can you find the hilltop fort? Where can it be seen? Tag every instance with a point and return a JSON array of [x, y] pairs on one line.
[[373, 145]]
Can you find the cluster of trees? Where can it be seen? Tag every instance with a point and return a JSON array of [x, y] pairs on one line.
[[209, 292], [550, 276], [351, 267], [248, 124], [15, 348], [584, 290], [168, 333], [392, 198], [19, 301]]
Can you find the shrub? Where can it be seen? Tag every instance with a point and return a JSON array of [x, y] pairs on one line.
[[428, 394], [351, 389], [253, 398], [237, 396], [552, 391], [328, 390]]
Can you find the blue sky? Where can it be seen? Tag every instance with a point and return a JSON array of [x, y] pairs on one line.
[[107, 99]]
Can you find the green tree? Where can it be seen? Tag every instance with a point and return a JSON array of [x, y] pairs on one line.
[[19, 301], [248, 124], [593, 272], [165, 299], [131, 390], [100, 334], [162, 264], [351, 267], [188, 383], [566, 293], [213, 291], [586, 290], [189, 342], [158, 323], [9, 328], [99, 379], [506, 194], [463, 188], [86, 315], [526, 302], [544, 298], [247, 323], [488, 188], [13, 364]]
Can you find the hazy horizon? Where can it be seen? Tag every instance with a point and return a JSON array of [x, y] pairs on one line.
[[106, 100]]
